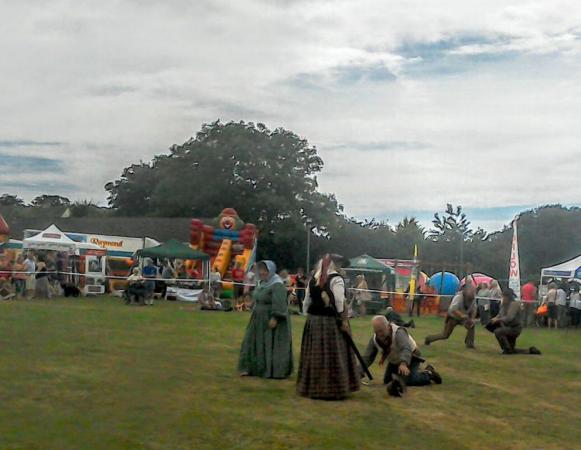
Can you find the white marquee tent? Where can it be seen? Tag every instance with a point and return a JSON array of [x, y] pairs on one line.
[[50, 239], [568, 269]]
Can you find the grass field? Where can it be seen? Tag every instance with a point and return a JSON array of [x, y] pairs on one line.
[[95, 374]]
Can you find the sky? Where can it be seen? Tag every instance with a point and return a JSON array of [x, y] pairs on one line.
[[411, 104]]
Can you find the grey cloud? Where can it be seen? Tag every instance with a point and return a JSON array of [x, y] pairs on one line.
[[112, 90], [29, 164], [39, 187], [378, 146], [28, 143], [361, 82]]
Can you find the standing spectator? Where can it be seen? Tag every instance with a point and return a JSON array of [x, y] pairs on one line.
[[180, 269], [250, 281], [385, 288], [42, 285], [418, 301], [168, 274], [238, 279], [167, 271], [19, 277], [215, 283], [53, 276], [362, 294], [30, 268], [301, 286], [5, 278], [561, 303], [483, 302], [149, 272], [575, 307], [286, 281], [529, 293], [551, 300], [495, 298]]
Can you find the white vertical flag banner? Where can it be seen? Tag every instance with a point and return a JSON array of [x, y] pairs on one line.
[[514, 274]]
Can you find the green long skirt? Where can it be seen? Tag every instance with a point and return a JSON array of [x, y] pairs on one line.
[[266, 353]]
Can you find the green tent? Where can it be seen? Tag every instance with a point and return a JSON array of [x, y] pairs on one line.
[[173, 249], [366, 263], [11, 244]]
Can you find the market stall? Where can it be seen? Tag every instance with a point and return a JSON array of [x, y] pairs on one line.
[[81, 264], [564, 271], [173, 249], [379, 278]]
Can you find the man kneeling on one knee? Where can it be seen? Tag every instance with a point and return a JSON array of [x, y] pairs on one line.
[[403, 357], [507, 327]]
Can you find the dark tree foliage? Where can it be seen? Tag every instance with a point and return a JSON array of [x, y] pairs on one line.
[[269, 177], [9, 200], [50, 201]]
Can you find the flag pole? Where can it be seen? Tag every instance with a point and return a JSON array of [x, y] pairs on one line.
[[414, 275]]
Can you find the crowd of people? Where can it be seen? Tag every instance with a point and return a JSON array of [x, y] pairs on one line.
[[31, 275], [563, 305], [560, 307]]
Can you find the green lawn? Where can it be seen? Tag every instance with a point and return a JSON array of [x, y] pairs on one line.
[[95, 374]]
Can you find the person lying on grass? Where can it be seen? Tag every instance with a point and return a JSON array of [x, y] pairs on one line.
[[395, 318], [507, 327], [207, 300], [403, 358]]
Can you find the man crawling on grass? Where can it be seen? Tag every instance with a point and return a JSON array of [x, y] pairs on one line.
[[403, 358]]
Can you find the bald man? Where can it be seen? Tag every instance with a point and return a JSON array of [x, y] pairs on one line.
[[403, 357]]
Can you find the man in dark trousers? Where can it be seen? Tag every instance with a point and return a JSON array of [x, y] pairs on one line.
[[507, 327], [403, 357], [462, 311]]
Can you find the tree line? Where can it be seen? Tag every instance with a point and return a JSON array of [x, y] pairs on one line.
[[270, 178]]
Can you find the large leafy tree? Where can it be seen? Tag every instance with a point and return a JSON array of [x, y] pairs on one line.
[[268, 176]]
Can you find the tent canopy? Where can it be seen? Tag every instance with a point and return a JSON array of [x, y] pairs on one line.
[[11, 244], [567, 269], [366, 263], [50, 239], [173, 249]]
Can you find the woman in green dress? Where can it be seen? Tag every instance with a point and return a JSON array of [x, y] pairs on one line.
[[267, 347]]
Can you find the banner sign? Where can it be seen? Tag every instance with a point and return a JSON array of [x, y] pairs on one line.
[[514, 273]]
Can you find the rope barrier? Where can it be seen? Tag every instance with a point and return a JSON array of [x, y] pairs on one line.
[[236, 283]]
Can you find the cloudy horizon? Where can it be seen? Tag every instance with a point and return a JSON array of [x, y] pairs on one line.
[[411, 105]]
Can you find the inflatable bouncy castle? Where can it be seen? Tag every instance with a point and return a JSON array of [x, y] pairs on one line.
[[4, 231], [230, 243]]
